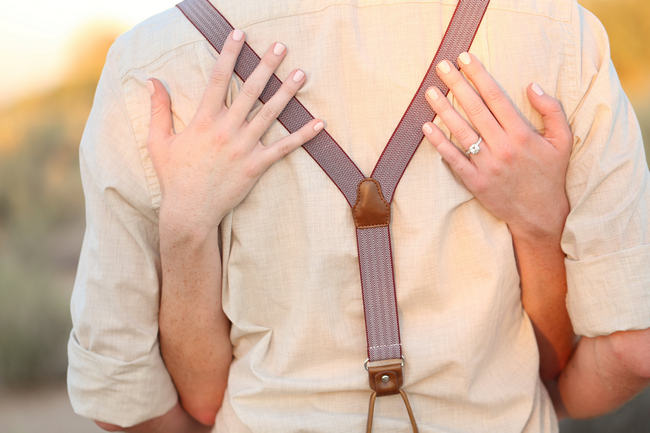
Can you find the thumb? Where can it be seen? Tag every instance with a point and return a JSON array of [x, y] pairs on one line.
[[160, 127], [556, 126]]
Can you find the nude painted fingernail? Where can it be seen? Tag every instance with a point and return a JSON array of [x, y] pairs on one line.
[[444, 67], [320, 125], [431, 93], [427, 128], [278, 49], [298, 75], [465, 58], [237, 35], [537, 89], [150, 87]]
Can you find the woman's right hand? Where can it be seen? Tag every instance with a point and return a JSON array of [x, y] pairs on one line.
[[208, 168]]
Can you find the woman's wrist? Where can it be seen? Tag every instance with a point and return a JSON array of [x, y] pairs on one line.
[[537, 237], [542, 230], [178, 227]]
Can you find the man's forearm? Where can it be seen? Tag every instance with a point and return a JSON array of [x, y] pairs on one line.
[[604, 373], [175, 420], [194, 331], [543, 294]]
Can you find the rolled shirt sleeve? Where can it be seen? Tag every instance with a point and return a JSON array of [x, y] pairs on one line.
[[606, 238], [115, 370]]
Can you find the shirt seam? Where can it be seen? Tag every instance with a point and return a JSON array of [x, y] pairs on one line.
[[452, 5], [121, 94], [150, 176], [124, 75]]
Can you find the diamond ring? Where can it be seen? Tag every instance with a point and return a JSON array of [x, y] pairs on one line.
[[474, 148]]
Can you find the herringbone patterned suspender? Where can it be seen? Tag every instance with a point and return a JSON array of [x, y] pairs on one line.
[[370, 197]]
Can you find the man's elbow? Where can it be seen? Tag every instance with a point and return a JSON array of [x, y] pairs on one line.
[[205, 417], [632, 351], [204, 413], [108, 427]]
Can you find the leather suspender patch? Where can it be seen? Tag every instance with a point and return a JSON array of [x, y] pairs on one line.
[[371, 209]]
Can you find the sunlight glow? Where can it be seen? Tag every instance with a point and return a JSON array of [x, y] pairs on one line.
[[35, 36]]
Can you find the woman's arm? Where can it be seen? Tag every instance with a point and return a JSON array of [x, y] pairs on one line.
[[518, 176], [204, 172], [194, 331], [543, 294]]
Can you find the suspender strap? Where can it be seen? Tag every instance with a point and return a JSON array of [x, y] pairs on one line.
[[369, 197]]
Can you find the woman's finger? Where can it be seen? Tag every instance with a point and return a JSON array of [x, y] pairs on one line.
[[160, 127], [458, 162], [556, 127], [214, 97], [281, 148], [255, 83], [476, 110], [457, 125], [273, 107], [495, 98]]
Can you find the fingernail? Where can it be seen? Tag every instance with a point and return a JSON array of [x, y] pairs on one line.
[[150, 87], [237, 35], [320, 125], [427, 128], [278, 49], [431, 93], [444, 67], [298, 75], [464, 58], [537, 89]]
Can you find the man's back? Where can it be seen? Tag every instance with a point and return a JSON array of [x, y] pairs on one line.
[[290, 272]]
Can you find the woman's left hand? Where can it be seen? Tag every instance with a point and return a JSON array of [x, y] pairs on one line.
[[518, 175]]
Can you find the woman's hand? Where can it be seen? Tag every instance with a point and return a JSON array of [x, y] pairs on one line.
[[518, 175], [210, 167]]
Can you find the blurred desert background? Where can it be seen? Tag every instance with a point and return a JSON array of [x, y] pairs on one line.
[[52, 54]]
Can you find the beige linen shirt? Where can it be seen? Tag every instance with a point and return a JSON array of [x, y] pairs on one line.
[[290, 272]]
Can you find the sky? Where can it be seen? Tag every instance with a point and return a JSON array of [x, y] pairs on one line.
[[34, 35]]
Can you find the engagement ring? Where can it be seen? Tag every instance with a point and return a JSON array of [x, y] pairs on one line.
[[474, 148]]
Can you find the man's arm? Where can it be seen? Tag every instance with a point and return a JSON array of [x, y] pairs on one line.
[[604, 373], [176, 420], [115, 371], [606, 236]]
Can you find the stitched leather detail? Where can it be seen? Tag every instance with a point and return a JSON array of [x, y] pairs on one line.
[[386, 379], [371, 209]]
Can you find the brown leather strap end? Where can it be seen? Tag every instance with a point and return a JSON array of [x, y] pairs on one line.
[[414, 425], [386, 379], [371, 412]]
